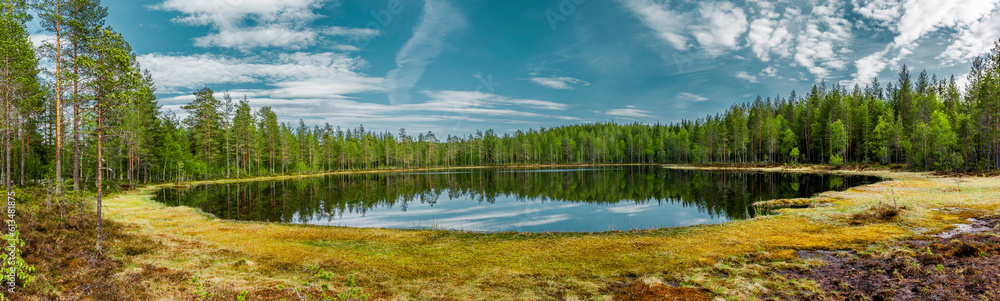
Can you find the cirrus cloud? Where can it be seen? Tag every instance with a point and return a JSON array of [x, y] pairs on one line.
[[559, 83], [630, 112], [439, 20]]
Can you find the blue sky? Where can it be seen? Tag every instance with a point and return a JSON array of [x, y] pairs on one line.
[[454, 66]]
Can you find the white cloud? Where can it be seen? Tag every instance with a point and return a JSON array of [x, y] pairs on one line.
[[44, 63], [883, 12], [870, 66], [630, 112], [249, 24], [345, 48], [691, 97], [962, 81], [228, 12], [972, 18], [259, 37], [294, 74], [724, 24], [538, 104], [818, 36], [560, 83], [746, 76], [767, 35], [352, 32], [973, 41], [38, 39], [632, 210], [438, 21], [472, 102], [817, 41], [825, 33], [769, 72], [668, 25], [923, 16], [441, 107], [762, 4]]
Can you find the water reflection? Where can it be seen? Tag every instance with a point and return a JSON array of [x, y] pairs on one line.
[[592, 199]]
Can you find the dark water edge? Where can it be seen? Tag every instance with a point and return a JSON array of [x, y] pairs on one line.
[[584, 199]]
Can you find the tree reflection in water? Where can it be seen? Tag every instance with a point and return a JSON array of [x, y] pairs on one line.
[[584, 199]]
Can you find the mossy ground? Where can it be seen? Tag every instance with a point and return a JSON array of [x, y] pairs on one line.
[[735, 260]]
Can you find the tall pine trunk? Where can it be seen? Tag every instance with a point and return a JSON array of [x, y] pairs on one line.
[[100, 186], [58, 151], [76, 121], [25, 144], [100, 161]]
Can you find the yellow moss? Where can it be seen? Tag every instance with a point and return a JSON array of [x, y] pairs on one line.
[[429, 264]]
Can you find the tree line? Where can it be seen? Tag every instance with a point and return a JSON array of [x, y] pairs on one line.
[[926, 123], [96, 110]]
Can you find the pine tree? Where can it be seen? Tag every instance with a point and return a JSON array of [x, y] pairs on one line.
[[943, 139], [53, 17], [205, 123], [270, 134], [85, 19], [115, 76], [243, 126], [17, 72], [838, 142]]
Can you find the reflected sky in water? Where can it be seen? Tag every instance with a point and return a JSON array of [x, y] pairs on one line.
[[510, 214], [493, 200]]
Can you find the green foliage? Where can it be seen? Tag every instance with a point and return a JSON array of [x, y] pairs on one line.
[[789, 141], [22, 270], [204, 123], [836, 160], [199, 290], [794, 154], [884, 133], [317, 287], [943, 140], [322, 274], [353, 292], [838, 138]]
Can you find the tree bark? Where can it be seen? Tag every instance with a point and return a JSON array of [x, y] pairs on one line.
[[25, 143], [76, 120], [58, 152], [100, 158]]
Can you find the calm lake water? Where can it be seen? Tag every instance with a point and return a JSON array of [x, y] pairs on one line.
[[491, 200]]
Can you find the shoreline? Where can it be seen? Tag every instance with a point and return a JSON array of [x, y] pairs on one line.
[[373, 171], [814, 169], [393, 264]]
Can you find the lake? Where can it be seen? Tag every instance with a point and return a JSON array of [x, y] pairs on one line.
[[509, 199]]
